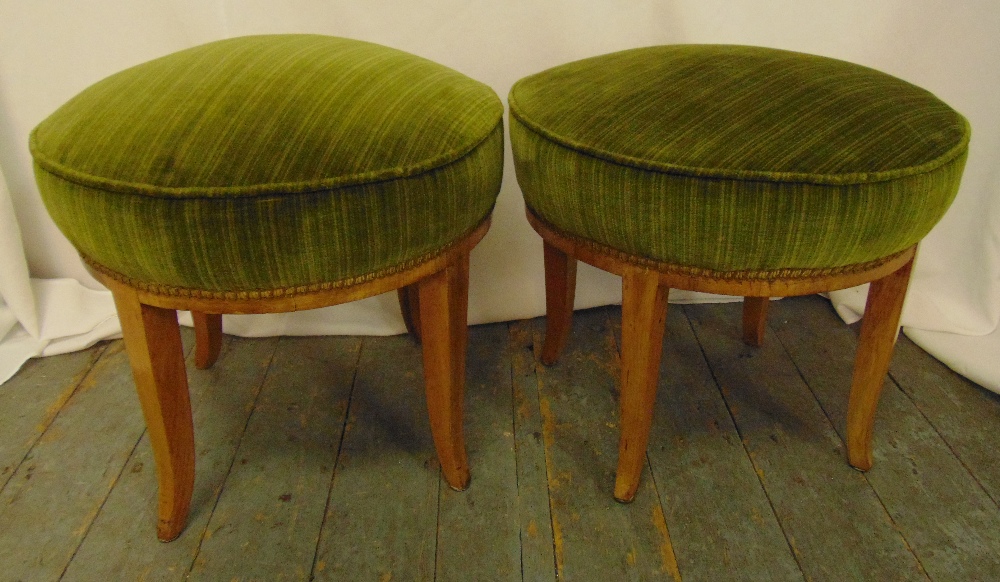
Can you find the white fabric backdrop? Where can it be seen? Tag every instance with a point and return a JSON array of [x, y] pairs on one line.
[[52, 49]]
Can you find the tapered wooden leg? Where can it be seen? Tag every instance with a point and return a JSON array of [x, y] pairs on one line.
[[153, 343], [644, 315], [444, 304], [879, 330], [207, 338], [754, 320], [409, 306], [560, 291]]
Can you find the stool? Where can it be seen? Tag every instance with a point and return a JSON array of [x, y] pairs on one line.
[[733, 170], [270, 174]]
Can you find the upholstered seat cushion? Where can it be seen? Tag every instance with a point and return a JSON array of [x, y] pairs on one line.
[[271, 162], [733, 158]]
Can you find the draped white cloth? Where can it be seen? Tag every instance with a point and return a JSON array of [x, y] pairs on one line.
[[52, 49]]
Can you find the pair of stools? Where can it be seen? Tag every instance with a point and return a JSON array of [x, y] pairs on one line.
[[279, 173]]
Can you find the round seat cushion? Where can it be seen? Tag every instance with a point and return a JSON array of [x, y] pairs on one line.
[[735, 158], [271, 162]]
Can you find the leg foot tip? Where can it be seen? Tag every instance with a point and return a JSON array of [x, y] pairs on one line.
[[624, 494], [460, 485], [862, 467], [625, 500], [168, 533], [860, 462]]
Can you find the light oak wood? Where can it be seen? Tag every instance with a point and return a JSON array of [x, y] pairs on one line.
[[153, 342], [754, 320], [409, 307], [644, 315], [642, 328], [444, 308], [879, 330], [208, 338], [560, 291], [433, 293]]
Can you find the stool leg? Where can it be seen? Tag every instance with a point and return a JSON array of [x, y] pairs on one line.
[[153, 343], [444, 304], [409, 306], [644, 315], [879, 330], [560, 291], [754, 320], [207, 338]]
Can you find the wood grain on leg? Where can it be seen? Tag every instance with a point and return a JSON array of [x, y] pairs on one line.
[[560, 291], [208, 338], [879, 330], [409, 306], [644, 315], [444, 307], [153, 342], [754, 320]]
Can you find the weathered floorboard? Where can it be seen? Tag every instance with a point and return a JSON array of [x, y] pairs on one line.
[[720, 520], [271, 509], [535, 518], [958, 409], [381, 519], [595, 538], [30, 401], [123, 537], [482, 521], [834, 522], [62, 484], [950, 523], [542, 444]]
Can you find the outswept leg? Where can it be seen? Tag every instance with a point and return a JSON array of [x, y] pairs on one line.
[[560, 291], [208, 338], [755, 320], [153, 343], [644, 316], [444, 305], [409, 306], [879, 329]]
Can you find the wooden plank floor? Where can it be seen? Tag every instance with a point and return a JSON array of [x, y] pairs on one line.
[[315, 462]]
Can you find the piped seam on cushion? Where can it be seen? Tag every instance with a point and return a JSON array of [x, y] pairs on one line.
[[280, 188], [748, 175]]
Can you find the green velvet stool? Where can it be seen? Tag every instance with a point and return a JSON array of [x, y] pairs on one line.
[[734, 170], [272, 174]]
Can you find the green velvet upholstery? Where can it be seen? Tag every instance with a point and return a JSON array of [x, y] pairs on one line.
[[734, 158], [271, 162]]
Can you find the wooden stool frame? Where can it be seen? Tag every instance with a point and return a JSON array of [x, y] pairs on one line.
[[433, 296], [645, 286]]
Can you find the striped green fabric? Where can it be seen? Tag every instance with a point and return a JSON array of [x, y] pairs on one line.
[[735, 158], [269, 162]]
